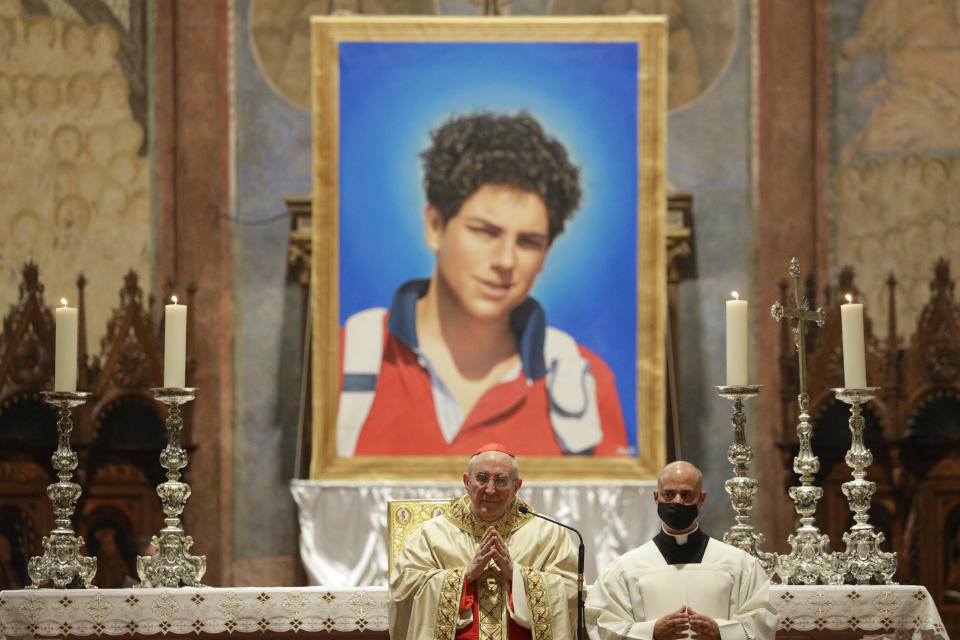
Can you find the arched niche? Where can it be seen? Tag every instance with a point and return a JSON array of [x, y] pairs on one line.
[[26, 421], [18, 536], [951, 556], [936, 417], [130, 421], [109, 536]]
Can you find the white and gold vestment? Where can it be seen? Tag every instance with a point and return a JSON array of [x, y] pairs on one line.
[[426, 583], [637, 589]]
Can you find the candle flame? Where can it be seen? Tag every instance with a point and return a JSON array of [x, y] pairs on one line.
[[173, 299], [63, 301], [849, 297], [736, 295]]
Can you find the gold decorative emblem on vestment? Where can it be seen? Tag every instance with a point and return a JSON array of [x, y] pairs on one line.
[[491, 605], [461, 514], [448, 609], [537, 604]]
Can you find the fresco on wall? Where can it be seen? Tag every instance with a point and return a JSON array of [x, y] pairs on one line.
[[897, 152], [700, 46], [280, 35], [74, 170]]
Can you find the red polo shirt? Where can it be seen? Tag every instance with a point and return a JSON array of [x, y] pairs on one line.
[[402, 419]]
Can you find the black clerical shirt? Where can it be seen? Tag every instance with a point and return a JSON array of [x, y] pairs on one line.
[[675, 553]]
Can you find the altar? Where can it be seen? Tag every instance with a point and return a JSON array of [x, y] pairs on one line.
[[808, 611]]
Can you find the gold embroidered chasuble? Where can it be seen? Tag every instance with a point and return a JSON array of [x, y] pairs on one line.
[[426, 583]]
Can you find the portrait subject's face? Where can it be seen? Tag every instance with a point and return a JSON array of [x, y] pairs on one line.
[[490, 253]]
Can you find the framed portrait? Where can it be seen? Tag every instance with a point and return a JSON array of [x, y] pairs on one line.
[[389, 94]]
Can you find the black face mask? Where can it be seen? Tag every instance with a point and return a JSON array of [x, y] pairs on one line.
[[677, 516]]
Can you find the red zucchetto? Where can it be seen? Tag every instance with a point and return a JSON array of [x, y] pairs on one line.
[[493, 446]]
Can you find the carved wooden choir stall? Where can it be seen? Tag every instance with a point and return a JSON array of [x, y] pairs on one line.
[[118, 434], [912, 429]]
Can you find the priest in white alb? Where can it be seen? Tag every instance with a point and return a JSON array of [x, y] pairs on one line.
[[683, 583], [484, 570]]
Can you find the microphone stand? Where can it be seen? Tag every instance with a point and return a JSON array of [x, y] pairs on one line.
[[580, 553]]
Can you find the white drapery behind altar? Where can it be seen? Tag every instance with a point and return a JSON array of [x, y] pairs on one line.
[[343, 525]]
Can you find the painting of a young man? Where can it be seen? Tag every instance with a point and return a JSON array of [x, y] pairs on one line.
[[467, 356]]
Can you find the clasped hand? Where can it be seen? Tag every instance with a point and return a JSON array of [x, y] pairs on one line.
[[675, 625], [492, 547]]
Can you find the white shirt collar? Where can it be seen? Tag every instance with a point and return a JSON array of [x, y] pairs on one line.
[[681, 538], [449, 415]]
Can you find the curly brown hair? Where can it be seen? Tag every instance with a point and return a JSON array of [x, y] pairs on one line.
[[483, 148]]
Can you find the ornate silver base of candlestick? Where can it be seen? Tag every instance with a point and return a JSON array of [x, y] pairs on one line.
[[862, 558], [172, 566], [61, 563], [741, 487], [809, 560]]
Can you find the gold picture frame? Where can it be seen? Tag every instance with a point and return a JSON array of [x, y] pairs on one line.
[[649, 35]]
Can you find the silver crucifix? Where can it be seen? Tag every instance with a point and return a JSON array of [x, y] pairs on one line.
[[809, 560]]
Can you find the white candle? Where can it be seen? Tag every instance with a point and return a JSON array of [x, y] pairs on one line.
[[65, 370], [854, 363], [736, 341], [175, 345]]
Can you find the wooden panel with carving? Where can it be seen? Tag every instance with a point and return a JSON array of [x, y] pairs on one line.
[[118, 434], [939, 536], [24, 512], [912, 429]]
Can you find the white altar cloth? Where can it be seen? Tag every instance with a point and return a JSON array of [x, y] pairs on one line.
[[343, 525], [906, 611], [189, 610]]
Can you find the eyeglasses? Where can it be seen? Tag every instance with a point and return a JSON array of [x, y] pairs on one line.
[[501, 481], [686, 497]]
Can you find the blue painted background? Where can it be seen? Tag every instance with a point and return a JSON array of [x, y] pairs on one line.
[[584, 94]]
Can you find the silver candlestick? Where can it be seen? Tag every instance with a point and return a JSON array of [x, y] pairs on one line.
[[62, 563], [742, 488], [862, 558], [809, 559], [172, 564]]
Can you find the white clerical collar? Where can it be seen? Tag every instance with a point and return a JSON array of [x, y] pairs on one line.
[[681, 538]]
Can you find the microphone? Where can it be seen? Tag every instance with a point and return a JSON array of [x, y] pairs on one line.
[[580, 553]]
